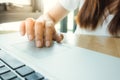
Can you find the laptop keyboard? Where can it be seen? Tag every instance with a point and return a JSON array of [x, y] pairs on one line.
[[13, 69]]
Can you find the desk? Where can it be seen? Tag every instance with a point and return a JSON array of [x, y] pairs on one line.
[[103, 44]]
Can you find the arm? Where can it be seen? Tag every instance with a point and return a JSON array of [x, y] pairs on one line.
[[42, 29]]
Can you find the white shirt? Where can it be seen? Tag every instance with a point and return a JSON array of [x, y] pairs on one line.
[[71, 5]]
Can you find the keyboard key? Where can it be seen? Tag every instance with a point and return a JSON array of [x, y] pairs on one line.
[[25, 70], [11, 61], [17, 79], [45, 79], [8, 76], [1, 64], [4, 70], [34, 76]]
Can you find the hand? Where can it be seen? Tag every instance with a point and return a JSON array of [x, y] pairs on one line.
[[42, 30]]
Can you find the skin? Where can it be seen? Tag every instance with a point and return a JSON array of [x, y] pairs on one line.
[[42, 29]]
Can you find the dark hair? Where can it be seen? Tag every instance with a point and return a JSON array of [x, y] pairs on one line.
[[94, 12]]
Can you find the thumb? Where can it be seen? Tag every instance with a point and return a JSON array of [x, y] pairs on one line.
[[58, 37]]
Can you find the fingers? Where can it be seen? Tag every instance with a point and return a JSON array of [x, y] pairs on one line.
[[39, 33], [30, 28], [41, 30], [49, 33], [22, 28], [44, 33], [58, 37], [27, 26]]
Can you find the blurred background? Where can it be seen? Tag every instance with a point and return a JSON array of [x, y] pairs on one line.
[[12, 12]]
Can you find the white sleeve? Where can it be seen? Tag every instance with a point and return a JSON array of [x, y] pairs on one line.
[[70, 4]]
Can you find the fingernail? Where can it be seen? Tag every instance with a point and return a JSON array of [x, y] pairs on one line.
[[30, 37], [38, 44], [47, 44]]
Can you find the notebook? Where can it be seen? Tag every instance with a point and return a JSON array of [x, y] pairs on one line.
[[59, 62]]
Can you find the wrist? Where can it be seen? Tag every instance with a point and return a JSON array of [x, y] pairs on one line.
[[46, 18]]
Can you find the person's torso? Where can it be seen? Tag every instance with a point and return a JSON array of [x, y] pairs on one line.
[[101, 30]]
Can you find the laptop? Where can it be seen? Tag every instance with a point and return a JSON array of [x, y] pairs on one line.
[[59, 62]]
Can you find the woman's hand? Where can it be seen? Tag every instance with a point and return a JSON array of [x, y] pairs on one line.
[[42, 30]]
